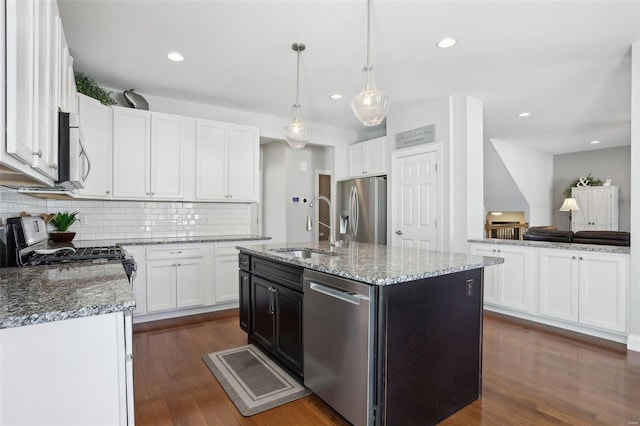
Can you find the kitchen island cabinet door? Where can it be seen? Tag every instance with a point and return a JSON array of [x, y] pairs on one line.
[[131, 153], [245, 299], [262, 309], [288, 328]]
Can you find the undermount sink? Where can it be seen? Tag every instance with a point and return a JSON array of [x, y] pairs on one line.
[[305, 253]]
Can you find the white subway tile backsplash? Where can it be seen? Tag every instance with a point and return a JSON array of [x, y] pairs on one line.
[[134, 219]]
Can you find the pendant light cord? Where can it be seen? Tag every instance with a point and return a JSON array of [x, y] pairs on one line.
[[368, 33], [298, 80]]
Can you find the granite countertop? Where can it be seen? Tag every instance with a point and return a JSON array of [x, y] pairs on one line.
[[554, 245], [374, 264], [39, 294]]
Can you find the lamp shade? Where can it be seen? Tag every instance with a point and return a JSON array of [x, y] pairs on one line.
[[569, 205], [296, 133], [371, 105]]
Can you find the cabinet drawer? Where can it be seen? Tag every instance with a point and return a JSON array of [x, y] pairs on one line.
[[244, 262], [283, 274], [175, 252], [230, 250]]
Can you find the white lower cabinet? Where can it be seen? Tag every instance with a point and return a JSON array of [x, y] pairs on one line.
[[226, 274], [73, 372], [582, 290], [584, 287], [175, 278], [182, 279], [509, 284]]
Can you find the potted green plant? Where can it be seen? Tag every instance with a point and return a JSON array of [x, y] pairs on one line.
[[62, 222]]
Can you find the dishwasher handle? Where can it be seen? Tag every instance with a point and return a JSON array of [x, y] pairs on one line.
[[346, 296]]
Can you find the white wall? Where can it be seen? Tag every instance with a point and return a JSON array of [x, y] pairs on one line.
[[274, 192], [501, 192], [284, 178], [633, 341], [459, 128], [465, 172], [607, 163], [532, 171]]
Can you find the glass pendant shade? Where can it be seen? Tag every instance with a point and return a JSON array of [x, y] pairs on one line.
[[296, 133], [371, 105]]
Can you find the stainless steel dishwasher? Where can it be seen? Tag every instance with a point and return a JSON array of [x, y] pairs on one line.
[[338, 333]]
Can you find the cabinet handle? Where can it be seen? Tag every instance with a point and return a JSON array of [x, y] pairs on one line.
[[107, 192], [573, 257], [176, 252], [53, 166], [230, 195], [580, 258], [38, 153], [147, 193], [178, 264], [173, 265], [270, 310]]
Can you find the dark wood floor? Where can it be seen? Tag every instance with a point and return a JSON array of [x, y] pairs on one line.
[[531, 376]]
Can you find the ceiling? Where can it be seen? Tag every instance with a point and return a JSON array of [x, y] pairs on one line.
[[566, 62]]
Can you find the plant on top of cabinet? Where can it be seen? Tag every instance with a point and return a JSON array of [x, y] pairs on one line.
[[88, 86]]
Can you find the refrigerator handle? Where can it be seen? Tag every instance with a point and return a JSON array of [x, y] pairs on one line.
[[356, 213]]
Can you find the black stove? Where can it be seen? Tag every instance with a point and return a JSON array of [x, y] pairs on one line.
[[71, 254], [20, 249]]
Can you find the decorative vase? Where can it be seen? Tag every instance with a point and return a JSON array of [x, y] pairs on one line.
[[62, 237]]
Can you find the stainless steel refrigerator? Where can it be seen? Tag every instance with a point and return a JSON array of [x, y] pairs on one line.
[[362, 210]]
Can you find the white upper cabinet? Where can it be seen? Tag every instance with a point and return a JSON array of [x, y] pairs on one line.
[[244, 168], [598, 208], [149, 154], [131, 153], [39, 82], [96, 122], [167, 156], [368, 158], [20, 66], [45, 100], [227, 162]]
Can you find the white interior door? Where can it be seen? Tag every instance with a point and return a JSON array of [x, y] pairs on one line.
[[415, 187]]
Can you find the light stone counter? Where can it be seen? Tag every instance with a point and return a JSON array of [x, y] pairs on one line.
[[38, 294], [374, 264], [554, 245]]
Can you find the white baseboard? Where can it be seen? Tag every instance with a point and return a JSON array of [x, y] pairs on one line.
[[183, 312], [633, 342]]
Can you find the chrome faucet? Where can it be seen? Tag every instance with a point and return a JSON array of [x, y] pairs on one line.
[[332, 238]]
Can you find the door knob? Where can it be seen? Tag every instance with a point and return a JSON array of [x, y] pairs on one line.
[[398, 232]]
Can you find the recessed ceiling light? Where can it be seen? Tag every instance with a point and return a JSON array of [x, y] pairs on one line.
[[524, 114], [336, 96], [175, 56], [594, 142], [447, 42], [496, 213]]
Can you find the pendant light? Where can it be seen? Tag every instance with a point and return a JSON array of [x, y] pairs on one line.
[[371, 105], [296, 133]]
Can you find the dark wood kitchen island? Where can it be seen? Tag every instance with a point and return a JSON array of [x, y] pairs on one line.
[[424, 346]]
